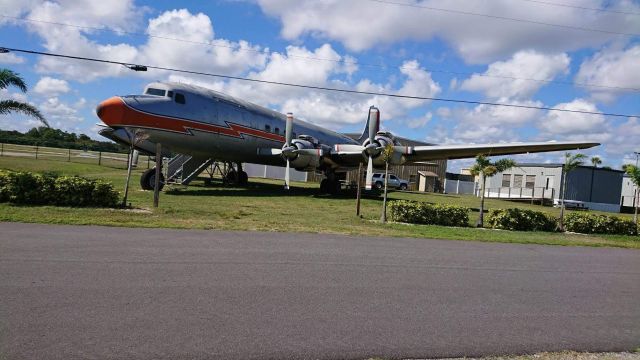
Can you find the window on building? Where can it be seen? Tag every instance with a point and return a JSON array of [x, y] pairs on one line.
[[154, 91], [530, 181], [506, 180], [180, 99], [267, 128], [517, 181]]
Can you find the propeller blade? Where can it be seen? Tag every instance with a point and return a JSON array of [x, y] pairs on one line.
[[268, 152], [374, 123], [369, 182], [286, 176], [288, 130]]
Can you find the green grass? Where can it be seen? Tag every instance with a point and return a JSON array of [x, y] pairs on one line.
[[264, 205]]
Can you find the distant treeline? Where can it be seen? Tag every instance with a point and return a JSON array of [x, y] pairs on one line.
[[44, 136]]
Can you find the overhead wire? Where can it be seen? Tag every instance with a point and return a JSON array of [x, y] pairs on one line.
[[506, 18], [313, 87], [582, 7], [313, 58]]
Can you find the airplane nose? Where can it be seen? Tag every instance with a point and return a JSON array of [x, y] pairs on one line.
[[111, 111]]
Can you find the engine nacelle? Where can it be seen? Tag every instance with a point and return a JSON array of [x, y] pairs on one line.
[[305, 161], [381, 140]]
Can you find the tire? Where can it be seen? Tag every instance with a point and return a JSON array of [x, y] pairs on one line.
[[230, 178], [334, 187], [243, 178], [148, 180], [403, 187], [379, 185], [324, 186]]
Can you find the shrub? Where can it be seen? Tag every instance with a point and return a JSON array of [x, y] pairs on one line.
[[521, 220], [423, 213], [599, 224], [50, 189]]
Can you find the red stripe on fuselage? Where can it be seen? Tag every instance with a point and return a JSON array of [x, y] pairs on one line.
[[138, 118]]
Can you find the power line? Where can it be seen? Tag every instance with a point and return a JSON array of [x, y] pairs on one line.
[[139, 67], [505, 18], [348, 62], [583, 7]]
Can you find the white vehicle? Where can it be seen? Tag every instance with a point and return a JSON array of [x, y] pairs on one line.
[[393, 182]]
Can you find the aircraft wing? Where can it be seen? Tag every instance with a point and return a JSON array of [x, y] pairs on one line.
[[436, 152]]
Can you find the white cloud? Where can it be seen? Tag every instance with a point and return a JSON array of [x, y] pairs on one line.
[[10, 58], [573, 125], [363, 25], [506, 79], [60, 115], [51, 86], [614, 68]]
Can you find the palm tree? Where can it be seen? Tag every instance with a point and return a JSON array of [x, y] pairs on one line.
[[634, 173], [485, 168], [8, 77], [596, 161], [387, 154], [571, 162]]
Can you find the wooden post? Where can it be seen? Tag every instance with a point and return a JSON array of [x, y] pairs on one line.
[[358, 189], [36, 152], [156, 187], [100, 158], [2, 149], [69, 157]]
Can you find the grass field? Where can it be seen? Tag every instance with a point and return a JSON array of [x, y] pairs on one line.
[[264, 205]]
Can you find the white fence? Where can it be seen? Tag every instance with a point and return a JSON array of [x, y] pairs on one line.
[[459, 187]]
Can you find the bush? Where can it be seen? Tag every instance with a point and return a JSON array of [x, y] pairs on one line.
[[423, 213], [599, 224], [521, 220], [50, 189]]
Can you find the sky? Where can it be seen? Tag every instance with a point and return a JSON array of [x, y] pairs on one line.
[[567, 54]]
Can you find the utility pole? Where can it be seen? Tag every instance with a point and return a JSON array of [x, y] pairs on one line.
[[156, 187]]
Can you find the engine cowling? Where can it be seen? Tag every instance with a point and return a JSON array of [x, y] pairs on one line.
[[381, 140], [305, 160]]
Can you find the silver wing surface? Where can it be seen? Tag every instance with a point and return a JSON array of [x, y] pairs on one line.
[[436, 152]]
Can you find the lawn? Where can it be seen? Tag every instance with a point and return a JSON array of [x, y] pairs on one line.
[[264, 205]]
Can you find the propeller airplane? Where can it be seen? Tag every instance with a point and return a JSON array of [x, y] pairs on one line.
[[207, 124]]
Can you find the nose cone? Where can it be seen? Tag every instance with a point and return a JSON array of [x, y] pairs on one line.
[[111, 111]]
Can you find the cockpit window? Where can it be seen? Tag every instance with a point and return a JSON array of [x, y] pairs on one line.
[[180, 98], [156, 92]]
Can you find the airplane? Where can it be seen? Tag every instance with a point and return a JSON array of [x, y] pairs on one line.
[[208, 124]]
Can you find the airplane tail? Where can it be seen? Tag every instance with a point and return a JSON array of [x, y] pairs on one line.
[[365, 132]]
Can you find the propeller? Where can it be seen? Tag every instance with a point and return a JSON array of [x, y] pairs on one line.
[[372, 147], [287, 150]]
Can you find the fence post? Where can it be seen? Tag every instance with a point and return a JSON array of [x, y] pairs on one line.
[[148, 160], [36, 152], [99, 157], [2, 149], [69, 157]]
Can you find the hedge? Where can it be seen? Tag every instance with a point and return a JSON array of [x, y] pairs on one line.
[[51, 189], [423, 213], [599, 224], [521, 220]]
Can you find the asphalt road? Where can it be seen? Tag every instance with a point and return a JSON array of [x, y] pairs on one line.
[[96, 292]]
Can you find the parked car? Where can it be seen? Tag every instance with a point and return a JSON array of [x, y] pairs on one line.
[[394, 182]]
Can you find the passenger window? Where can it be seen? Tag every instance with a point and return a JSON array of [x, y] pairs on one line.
[[170, 93], [276, 131], [267, 128], [180, 98]]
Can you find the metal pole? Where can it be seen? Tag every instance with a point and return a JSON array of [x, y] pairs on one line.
[[156, 187], [358, 189]]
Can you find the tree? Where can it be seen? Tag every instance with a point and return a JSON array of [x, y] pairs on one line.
[[596, 161], [485, 168], [387, 154], [136, 136], [571, 162], [8, 77], [634, 173]]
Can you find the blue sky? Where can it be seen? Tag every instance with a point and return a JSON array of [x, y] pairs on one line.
[[423, 48]]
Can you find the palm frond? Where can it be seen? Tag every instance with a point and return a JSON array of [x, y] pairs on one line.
[[8, 77], [634, 173], [13, 106]]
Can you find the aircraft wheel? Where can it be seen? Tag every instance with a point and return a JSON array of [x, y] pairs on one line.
[[148, 180], [230, 178], [243, 178], [334, 187], [324, 186]]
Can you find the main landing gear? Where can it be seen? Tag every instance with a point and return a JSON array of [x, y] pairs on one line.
[[235, 176], [331, 184]]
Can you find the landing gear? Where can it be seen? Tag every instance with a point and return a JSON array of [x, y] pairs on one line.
[[148, 180], [331, 185], [236, 177]]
